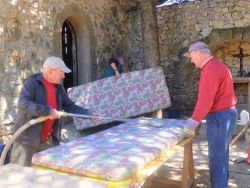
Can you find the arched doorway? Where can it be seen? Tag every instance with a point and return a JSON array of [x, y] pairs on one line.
[[69, 54], [83, 44]]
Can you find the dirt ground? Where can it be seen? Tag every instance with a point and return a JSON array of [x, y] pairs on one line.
[[239, 172]]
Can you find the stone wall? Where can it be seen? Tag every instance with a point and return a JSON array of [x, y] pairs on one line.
[[30, 31], [222, 24], [226, 53], [27, 36], [241, 91], [135, 39]]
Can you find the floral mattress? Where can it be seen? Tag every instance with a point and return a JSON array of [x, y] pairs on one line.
[[135, 93], [115, 154]]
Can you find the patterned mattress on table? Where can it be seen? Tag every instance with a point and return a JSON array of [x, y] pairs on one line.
[[115, 154], [135, 93]]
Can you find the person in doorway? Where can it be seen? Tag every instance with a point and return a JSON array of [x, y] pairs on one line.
[[216, 101], [113, 68], [42, 95]]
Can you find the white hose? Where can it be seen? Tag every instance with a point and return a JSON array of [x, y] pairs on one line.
[[17, 134], [146, 121]]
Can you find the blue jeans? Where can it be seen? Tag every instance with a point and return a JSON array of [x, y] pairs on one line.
[[220, 127]]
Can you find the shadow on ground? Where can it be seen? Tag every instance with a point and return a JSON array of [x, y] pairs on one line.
[[172, 169]]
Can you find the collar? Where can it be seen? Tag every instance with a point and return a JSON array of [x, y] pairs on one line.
[[47, 83], [207, 60], [39, 78]]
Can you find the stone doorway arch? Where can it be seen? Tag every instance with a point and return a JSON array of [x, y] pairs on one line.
[[85, 43]]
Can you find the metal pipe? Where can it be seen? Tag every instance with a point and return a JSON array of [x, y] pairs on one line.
[[139, 121]]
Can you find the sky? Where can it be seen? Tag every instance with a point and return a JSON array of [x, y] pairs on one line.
[[170, 2]]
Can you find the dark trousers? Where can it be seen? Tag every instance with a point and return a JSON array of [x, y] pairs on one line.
[[21, 154]]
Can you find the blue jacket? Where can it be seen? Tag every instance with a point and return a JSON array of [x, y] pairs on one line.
[[32, 104], [109, 71]]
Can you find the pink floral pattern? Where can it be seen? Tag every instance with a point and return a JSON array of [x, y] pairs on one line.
[[135, 93], [115, 154]]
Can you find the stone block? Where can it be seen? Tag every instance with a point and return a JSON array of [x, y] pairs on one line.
[[206, 31], [246, 35], [237, 15], [238, 33], [241, 99], [214, 37], [243, 4], [239, 23], [226, 34], [218, 24], [233, 48], [245, 46]]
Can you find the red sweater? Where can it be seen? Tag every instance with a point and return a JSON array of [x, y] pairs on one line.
[[47, 128], [216, 90]]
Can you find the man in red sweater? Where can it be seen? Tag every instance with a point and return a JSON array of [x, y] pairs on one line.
[[216, 101]]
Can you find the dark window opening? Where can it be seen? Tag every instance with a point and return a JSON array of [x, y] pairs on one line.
[[69, 54]]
